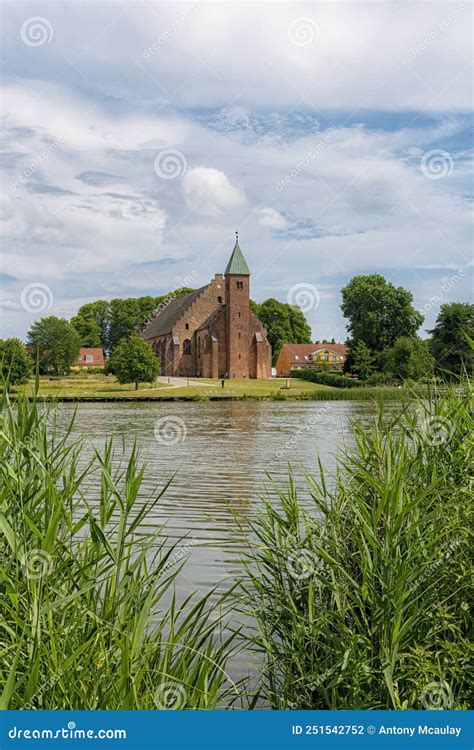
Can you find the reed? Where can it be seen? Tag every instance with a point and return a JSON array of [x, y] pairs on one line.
[[361, 598], [89, 617]]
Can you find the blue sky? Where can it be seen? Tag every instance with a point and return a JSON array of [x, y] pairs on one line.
[[336, 137]]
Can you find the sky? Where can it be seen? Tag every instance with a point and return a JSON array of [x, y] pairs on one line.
[[139, 136]]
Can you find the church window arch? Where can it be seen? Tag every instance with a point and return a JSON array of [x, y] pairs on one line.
[[186, 346]]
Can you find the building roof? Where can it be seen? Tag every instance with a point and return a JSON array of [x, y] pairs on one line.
[[212, 318], [237, 264], [300, 353], [96, 353], [166, 318]]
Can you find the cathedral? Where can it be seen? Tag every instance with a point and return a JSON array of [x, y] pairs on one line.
[[212, 332]]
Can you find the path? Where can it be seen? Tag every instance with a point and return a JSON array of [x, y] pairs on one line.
[[175, 382]]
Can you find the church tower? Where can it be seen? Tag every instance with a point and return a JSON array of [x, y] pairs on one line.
[[237, 296]]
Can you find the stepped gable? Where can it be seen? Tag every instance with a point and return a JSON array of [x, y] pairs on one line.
[[167, 318]]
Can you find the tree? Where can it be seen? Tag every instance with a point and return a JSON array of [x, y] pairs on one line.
[[57, 342], [133, 361], [378, 312], [88, 330], [15, 362], [363, 360], [284, 323], [450, 338], [408, 358], [99, 313]]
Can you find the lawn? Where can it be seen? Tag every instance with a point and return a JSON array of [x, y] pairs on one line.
[[102, 387]]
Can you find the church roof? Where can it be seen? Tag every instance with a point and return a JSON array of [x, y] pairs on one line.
[[165, 319], [237, 264], [212, 318]]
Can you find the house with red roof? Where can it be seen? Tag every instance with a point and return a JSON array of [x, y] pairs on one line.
[[90, 357], [318, 356]]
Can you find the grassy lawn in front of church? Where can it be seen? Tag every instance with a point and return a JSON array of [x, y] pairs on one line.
[[107, 388]]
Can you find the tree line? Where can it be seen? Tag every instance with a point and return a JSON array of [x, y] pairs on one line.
[[383, 337]]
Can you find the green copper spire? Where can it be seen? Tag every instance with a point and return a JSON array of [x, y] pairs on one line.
[[237, 265]]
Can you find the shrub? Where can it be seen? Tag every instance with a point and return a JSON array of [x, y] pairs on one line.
[[85, 623], [15, 362], [361, 594], [334, 379]]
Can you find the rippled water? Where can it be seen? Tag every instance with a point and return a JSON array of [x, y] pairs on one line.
[[219, 454]]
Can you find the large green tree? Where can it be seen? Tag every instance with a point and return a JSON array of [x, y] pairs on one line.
[[91, 313], [15, 362], [104, 324], [450, 338], [88, 330], [408, 358], [284, 323], [133, 361], [57, 342], [378, 312]]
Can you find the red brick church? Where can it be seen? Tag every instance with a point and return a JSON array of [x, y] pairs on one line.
[[212, 332]]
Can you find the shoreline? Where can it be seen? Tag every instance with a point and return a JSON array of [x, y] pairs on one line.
[[329, 395]]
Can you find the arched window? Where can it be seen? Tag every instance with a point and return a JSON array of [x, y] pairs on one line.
[[186, 346]]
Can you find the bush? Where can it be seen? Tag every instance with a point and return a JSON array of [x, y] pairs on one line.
[[361, 594], [85, 624], [15, 362], [334, 379]]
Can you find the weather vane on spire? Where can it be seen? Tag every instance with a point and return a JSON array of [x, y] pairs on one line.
[[237, 237]]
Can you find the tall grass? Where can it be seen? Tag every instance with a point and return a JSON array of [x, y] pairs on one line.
[[84, 623], [362, 600]]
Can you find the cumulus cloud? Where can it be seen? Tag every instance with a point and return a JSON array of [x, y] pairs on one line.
[[209, 191], [268, 217], [313, 151]]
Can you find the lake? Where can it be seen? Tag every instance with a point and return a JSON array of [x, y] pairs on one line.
[[219, 454]]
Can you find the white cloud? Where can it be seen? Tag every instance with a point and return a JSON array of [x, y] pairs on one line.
[[228, 90], [271, 218], [208, 191]]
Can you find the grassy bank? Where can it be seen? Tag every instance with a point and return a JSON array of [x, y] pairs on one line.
[[363, 602], [84, 623], [101, 388]]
